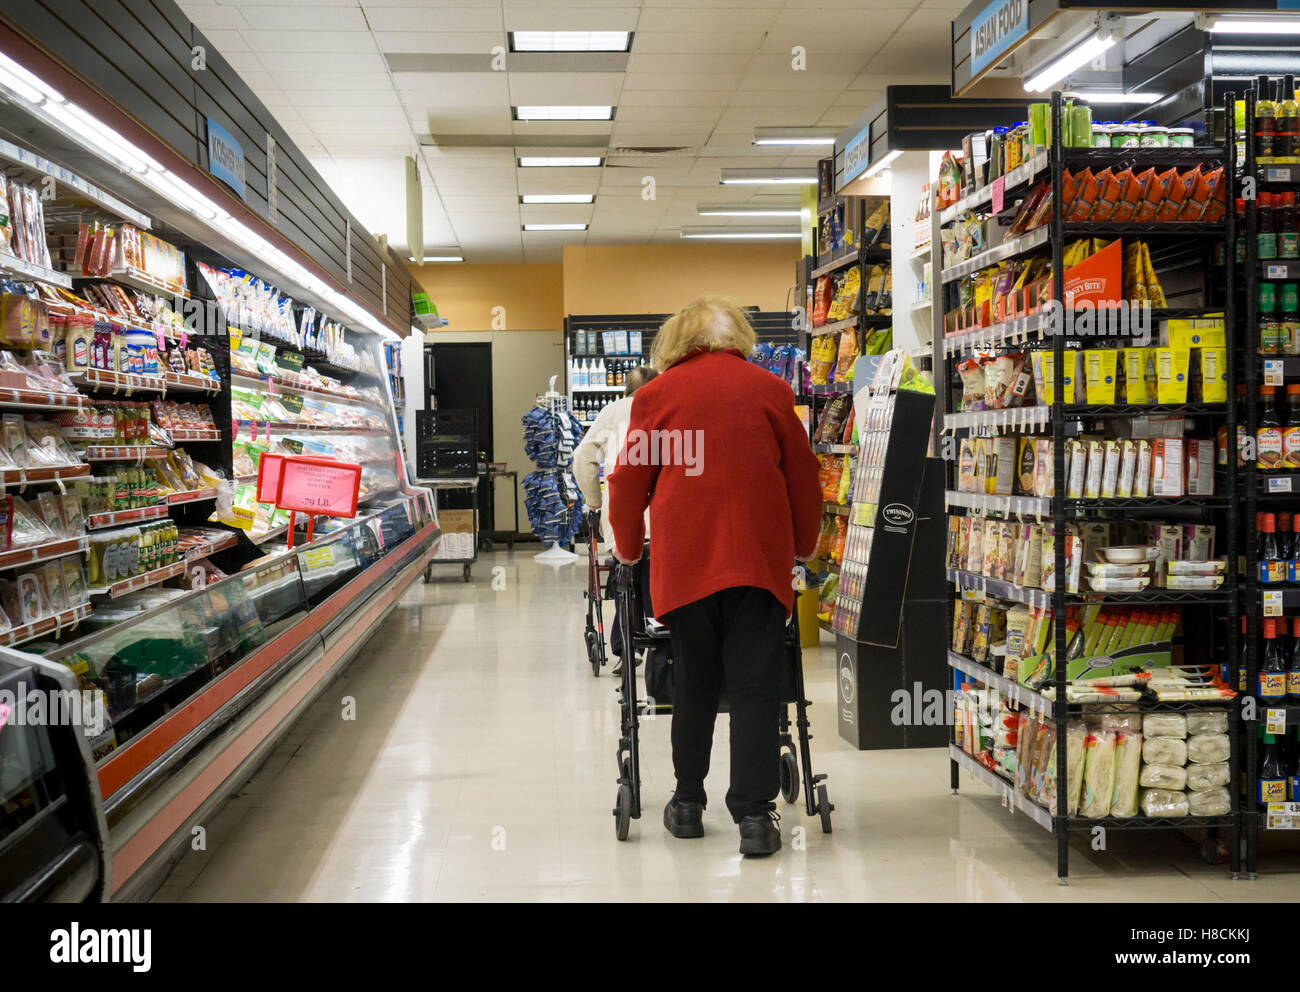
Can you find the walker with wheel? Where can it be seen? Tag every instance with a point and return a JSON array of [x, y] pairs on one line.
[[627, 805], [595, 632]]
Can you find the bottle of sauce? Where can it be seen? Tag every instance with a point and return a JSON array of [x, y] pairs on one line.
[[1242, 659], [1271, 567], [1266, 311], [1291, 435], [1288, 320], [1286, 141], [1287, 241], [1266, 228], [1272, 665], [1272, 776], [1293, 779], [1293, 666], [1265, 120], [1268, 436], [1283, 550], [1240, 209]]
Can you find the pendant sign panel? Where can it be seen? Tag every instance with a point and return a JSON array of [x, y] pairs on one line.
[[269, 467], [226, 158], [319, 486], [995, 30]]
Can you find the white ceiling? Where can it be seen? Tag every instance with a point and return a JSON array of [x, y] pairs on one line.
[[701, 74]]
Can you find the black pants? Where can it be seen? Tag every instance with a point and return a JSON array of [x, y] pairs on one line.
[[641, 605], [737, 635]]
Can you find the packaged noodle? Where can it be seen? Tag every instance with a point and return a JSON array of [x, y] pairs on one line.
[[1163, 777], [1128, 763], [1164, 751], [1207, 749], [1162, 802], [1164, 725], [1098, 774], [1209, 802], [1208, 722], [1202, 777]]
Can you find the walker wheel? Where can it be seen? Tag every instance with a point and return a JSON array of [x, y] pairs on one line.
[[623, 812], [789, 777], [593, 652], [466, 572], [824, 808]]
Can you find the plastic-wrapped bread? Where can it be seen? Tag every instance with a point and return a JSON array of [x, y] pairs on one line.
[[1098, 774], [1075, 734], [1208, 722], [1162, 802], [1210, 802], [1128, 763], [1171, 777], [1025, 755], [1164, 751], [1202, 777], [1208, 749], [1164, 725]]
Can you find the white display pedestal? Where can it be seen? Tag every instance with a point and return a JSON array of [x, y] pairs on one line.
[[556, 555]]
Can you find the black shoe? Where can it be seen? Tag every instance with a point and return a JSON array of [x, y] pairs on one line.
[[759, 833], [618, 669], [684, 819]]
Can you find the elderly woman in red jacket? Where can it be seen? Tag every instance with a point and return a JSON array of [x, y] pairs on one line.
[[716, 451]]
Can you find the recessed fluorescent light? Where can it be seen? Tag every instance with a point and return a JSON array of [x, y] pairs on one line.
[[746, 210], [1075, 58], [762, 177], [737, 233], [560, 161], [1228, 26], [795, 135], [30, 87], [877, 166], [555, 112], [570, 41], [555, 227], [558, 198], [1103, 97]]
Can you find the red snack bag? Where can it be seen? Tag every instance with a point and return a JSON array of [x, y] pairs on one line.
[[1131, 200], [1155, 194], [1110, 194], [821, 300], [1179, 192], [1200, 197]]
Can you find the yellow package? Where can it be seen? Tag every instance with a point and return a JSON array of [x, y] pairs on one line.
[[984, 283], [1028, 273], [853, 301], [1100, 374], [1135, 287], [1044, 363], [846, 482], [1214, 374], [1136, 361], [1195, 332], [1172, 366], [1155, 295]]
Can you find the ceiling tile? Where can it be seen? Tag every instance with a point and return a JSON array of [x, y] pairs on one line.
[[441, 43], [291, 16], [428, 17]]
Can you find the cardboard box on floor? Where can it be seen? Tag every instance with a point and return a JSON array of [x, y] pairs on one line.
[[456, 521]]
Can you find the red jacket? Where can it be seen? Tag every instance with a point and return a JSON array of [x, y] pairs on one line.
[[734, 495]]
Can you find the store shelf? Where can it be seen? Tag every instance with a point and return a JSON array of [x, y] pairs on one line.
[[141, 581], [20, 557], [839, 509], [1169, 229], [284, 427], [45, 625], [28, 476], [835, 449], [1016, 329], [1041, 506], [1036, 702], [431, 320], [119, 518], [1026, 417], [1013, 182], [1268, 172], [1282, 484], [1010, 248], [270, 535], [136, 279], [993, 503], [920, 254], [981, 585], [831, 387], [208, 548], [128, 383], [193, 496], [36, 399], [1008, 792], [280, 383], [13, 266], [835, 328], [834, 265], [1287, 366], [597, 389], [33, 163], [186, 434], [920, 305], [124, 452], [1153, 410], [1279, 268]]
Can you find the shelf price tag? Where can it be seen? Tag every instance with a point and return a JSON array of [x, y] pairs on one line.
[[999, 193], [1275, 271], [1275, 722], [1280, 485], [319, 486], [1278, 175], [1273, 372], [1272, 602]]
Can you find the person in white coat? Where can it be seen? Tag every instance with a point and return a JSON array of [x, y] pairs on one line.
[[599, 449]]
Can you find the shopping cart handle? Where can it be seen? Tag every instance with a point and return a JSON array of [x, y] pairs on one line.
[[592, 518]]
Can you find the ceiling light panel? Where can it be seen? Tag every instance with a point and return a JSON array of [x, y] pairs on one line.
[[555, 227], [557, 198], [570, 41], [555, 112], [560, 161]]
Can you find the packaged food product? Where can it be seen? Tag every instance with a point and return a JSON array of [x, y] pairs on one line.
[[1098, 774], [1164, 802], [1202, 777], [1173, 777], [1128, 761], [1208, 722], [30, 601], [1209, 802], [1207, 749], [74, 582], [1164, 725], [1164, 751], [1180, 189], [51, 578]]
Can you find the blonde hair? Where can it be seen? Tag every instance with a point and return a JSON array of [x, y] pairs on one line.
[[713, 322]]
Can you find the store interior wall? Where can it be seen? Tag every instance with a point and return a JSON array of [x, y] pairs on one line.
[[522, 362], [499, 297], [910, 173]]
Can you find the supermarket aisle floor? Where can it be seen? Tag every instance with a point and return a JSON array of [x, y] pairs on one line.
[[480, 766]]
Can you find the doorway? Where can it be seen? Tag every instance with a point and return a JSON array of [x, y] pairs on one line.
[[458, 376]]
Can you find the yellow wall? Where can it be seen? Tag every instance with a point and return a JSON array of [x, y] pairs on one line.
[[664, 278], [467, 294]]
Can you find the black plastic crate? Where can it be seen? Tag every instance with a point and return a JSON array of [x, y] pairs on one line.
[[446, 460], [446, 425]]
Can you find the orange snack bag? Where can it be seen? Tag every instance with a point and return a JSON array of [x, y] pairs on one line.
[[1110, 195], [1200, 197], [1155, 194], [1180, 190], [1131, 199], [1069, 188], [1218, 205], [1090, 188]]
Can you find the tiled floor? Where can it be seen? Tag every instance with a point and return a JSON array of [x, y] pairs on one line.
[[481, 766]]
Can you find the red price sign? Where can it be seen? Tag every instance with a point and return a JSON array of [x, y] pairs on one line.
[[269, 468], [319, 486]]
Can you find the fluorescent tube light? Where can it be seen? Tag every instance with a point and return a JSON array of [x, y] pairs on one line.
[[549, 112], [440, 258], [877, 166], [1279, 26], [763, 177], [795, 136], [1075, 58], [737, 233], [26, 84], [570, 41], [99, 137], [558, 198], [746, 210], [181, 191], [560, 161], [555, 227], [1103, 97]]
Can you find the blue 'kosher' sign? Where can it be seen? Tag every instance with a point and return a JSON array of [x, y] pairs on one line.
[[997, 27], [226, 157]]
